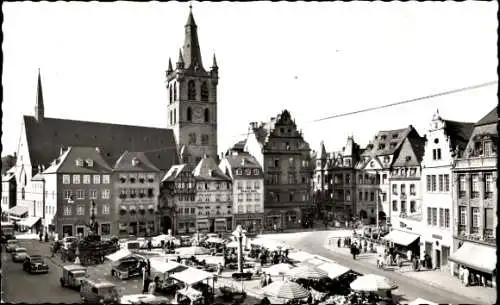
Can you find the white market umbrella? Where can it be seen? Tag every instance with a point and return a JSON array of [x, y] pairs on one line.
[[286, 290], [233, 244], [215, 240], [419, 301], [278, 269], [372, 282], [194, 250], [309, 272]]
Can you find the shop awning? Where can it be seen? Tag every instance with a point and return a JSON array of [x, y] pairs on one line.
[[401, 238], [164, 267], [122, 253], [192, 276], [18, 210], [476, 256], [132, 208], [334, 270], [300, 256], [220, 220], [151, 207], [202, 220], [29, 221]]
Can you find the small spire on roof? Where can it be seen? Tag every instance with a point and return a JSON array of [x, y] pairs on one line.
[[169, 65], [214, 63], [180, 61]]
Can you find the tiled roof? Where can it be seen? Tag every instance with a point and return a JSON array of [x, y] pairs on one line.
[[239, 146], [413, 157], [175, 170], [459, 133], [207, 169], [7, 177], [67, 163], [134, 162], [45, 139], [242, 161], [38, 177], [387, 142], [490, 118]]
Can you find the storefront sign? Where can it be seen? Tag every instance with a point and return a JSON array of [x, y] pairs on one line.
[[437, 236]]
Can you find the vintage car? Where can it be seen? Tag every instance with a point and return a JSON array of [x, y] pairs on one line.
[[186, 241], [188, 296], [127, 267], [35, 264], [12, 245], [144, 299], [72, 276], [19, 255], [96, 291]]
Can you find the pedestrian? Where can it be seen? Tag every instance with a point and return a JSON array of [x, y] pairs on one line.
[[145, 281], [152, 286], [148, 266], [338, 243], [397, 259], [41, 235], [150, 245], [466, 277], [263, 278], [408, 255], [269, 281]]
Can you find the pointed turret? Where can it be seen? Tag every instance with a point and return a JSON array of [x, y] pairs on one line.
[[191, 48], [39, 107], [180, 61], [322, 151], [169, 65], [214, 63]]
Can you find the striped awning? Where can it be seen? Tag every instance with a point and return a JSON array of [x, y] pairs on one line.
[[151, 207], [309, 272], [132, 208], [123, 207], [141, 207]]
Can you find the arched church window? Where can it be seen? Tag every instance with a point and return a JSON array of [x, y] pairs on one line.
[[175, 116], [170, 95], [204, 92], [207, 115], [170, 117], [175, 91], [189, 114], [191, 90], [22, 193], [25, 180]]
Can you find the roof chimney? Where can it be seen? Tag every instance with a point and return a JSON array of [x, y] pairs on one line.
[[98, 150], [243, 161]]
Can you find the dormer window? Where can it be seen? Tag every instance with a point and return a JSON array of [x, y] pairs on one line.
[[386, 159], [135, 162], [239, 172], [248, 172], [90, 162], [408, 158], [141, 178], [256, 172], [393, 145], [383, 137], [79, 162], [151, 178], [381, 146], [395, 136]]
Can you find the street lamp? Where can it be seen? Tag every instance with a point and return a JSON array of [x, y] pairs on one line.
[[239, 234]]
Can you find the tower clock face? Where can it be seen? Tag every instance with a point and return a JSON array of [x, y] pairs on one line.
[[197, 113]]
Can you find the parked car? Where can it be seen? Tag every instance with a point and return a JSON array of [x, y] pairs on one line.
[[144, 299], [19, 255], [185, 240], [35, 264], [12, 245], [126, 268], [72, 276], [96, 291]]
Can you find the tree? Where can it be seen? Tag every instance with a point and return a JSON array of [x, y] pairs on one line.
[[7, 163]]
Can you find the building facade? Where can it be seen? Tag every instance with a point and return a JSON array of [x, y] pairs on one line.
[[446, 141], [192, 99], [334, 184], [42, 139], [286, 159], [475, 200], [178, 200], [136, 186], [8, 193], [214, 197], [374, 172], [73, 181], [248, 190]]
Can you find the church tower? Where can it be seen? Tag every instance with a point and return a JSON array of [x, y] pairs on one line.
[[39, 107], [192, 99]]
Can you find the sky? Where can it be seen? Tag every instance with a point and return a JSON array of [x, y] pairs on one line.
[[106, 62]]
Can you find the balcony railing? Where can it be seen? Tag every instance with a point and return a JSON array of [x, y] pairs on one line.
[[489, 161]]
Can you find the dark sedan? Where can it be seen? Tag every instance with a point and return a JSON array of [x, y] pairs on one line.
[[35, 264]]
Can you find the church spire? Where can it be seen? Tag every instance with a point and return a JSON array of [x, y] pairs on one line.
[[39, 108], [214, 63], [191, 48]]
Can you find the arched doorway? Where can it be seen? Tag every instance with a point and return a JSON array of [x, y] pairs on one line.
[[363, 214], [166, 224], [382, 218]]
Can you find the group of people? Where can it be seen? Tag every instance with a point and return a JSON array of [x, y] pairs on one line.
[[148, 286], [469, 277], [265, 279], [274, 257]]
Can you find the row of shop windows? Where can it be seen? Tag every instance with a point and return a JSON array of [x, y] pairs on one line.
[[86, 179], [80, 210], [68, 230], [140, 228]]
